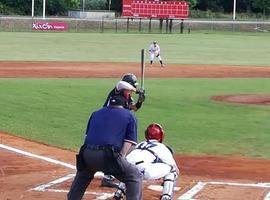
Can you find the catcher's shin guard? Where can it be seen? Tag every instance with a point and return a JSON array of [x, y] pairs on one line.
[[168, 186]]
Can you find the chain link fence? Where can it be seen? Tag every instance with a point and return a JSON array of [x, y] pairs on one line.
[[129, 25]]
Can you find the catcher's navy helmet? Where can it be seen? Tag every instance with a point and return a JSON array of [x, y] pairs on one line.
[[155, 132], [131, 79]]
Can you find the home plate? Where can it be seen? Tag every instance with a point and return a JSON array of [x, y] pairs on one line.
[[159, 188]]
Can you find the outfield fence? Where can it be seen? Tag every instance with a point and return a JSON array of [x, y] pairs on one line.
[[129, 25]]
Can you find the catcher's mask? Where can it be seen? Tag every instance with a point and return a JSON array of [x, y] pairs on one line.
[[131, 79], [154, 131], [155, 42]]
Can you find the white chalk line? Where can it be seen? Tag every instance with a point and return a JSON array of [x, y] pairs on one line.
[[259, 185], [267, 197], [46, 187], [50, 160], [193, 191], [200, 185], [186, 196], [43, 188]]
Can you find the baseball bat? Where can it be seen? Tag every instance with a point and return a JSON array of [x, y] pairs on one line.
[[142, 69]]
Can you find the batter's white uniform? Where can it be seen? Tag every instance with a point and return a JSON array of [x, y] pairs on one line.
[[153, 159], [154, 50]]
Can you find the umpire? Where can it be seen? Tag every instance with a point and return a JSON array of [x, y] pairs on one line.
[[111, 132]]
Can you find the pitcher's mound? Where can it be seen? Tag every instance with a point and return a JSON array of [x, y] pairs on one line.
[[244, 99]]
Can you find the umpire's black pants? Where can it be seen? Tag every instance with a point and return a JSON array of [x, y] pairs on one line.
[[109, 161]]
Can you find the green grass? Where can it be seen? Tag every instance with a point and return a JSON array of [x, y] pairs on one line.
[[198, 48], [55, 111]]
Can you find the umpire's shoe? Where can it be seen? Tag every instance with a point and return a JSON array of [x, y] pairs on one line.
[[107, 181]]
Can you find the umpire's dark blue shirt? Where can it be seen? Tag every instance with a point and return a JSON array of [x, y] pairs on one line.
[[111, 126]]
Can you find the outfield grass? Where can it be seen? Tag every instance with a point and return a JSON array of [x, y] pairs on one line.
[[55, 111], [198, 48]]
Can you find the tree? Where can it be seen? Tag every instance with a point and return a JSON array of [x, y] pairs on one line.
[[116, 5], [192, 3], [96, 4], [23, 7], [261, 5], [74, 4], [213, 5]]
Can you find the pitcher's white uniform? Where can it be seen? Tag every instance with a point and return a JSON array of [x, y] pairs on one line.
[[154, 51], [153, 159]]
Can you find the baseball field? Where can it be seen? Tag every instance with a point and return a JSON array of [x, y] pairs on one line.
[[212, 99]]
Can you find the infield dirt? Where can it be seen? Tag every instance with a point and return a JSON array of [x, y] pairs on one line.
[[19, 174]]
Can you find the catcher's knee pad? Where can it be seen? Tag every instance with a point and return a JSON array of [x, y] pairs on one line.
[[168, 185]]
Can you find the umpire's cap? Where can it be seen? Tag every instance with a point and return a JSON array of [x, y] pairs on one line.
[[117, 100]]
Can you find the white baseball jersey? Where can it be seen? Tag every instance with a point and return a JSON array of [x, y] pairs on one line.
[[154, 49], [153, 159]]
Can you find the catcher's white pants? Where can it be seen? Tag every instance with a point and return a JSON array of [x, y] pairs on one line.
[[152, 171], [153, 55]]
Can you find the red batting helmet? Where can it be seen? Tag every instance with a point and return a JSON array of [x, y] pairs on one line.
[[154, 131]]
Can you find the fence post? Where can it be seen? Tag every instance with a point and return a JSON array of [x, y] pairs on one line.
[[127, 24], [150, 25], [182, 26], [140, 25], [102, 25], [167, 25], [170, 26], [116, 25], [160, 25]]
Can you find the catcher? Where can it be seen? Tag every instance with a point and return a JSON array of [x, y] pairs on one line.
[[154, 160], [154, 51]]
